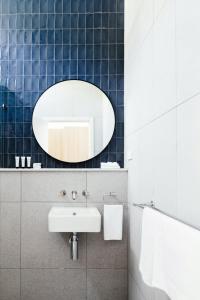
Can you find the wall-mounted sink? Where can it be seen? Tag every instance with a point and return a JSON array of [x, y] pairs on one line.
[[74, 219]]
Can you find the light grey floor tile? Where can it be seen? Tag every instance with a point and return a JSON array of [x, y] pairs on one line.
[[10, 186], [46, 186], [106, 284], [9, 284], [107, 254], [100, 184], [53, 284], [9, 235]]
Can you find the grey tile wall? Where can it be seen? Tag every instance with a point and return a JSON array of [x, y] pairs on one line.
[[35, 264], [46, 41]]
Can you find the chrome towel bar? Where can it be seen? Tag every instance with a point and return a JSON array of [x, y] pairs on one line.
[[152, 205]]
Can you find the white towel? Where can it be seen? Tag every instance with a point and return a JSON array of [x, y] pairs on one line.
[[170, 256], [113, 222]]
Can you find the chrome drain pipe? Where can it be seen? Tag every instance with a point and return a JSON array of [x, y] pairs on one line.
[[73, 241]]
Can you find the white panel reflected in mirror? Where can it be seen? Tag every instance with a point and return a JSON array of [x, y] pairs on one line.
[[73, 121]]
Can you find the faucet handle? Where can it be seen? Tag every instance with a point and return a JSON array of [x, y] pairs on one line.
[[85, 193], [63, 193], [74, 195]]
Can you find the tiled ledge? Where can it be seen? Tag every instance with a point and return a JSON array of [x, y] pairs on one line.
[[61, 170]]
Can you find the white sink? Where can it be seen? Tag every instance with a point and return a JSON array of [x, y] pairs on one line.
[[74, 219]]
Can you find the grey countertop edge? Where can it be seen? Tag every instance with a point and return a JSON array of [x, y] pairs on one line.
[[61, 170]]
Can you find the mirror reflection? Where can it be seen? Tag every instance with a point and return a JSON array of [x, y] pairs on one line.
[[73, 121]]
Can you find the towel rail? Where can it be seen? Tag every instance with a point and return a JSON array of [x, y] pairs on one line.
[[152, 205]]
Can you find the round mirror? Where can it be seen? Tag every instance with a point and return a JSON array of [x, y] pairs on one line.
[[73, 121]]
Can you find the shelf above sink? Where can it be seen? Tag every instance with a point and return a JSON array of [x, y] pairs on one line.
[[74, 219]]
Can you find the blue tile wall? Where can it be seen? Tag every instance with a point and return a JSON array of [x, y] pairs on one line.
[[46, 41]]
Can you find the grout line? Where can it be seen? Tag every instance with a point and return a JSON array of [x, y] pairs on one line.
[[163, 114]]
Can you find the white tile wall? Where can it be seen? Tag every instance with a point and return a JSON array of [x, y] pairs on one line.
[[162, 123], [188, 48], [189, 161]]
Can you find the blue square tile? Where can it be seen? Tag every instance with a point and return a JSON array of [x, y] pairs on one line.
[[90, 6], [35, 21], [89, 67], [66, 52], [27, 68], [35, 6], [97, 67], [43, 36], [89, 21], [97, 20], [28, 21], [5, 7], [59, 21], [12, 52], [43, 21], [50, 67], [66, 21], [105, 20], [21, 6], [73, 67], [27, 83], [120, 36], [20, 21], [74, 21], [81, 36], [120, 6], [82, 6], [51, 36], [59, 52], [97, 6], [82, 21], [74, 6], [112, 7], [58, 6], [35, 52], [51, 6], [27, 52], [51, 21], [50, 52], [58, 37], [74, 36], [66, 36], [12, 22], [81, 67], [81, 52], [28, 37], [120, 51], [43, 6], [113, 20], [5, 22], [43, 67], [74, 52], [113, 51], [26, 146], [58, 67], [97, 37], [112, 33], [97, 52], [66, 6], [27, 6], [4, 37], [35, 36], [89, 36], [89, 51]]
